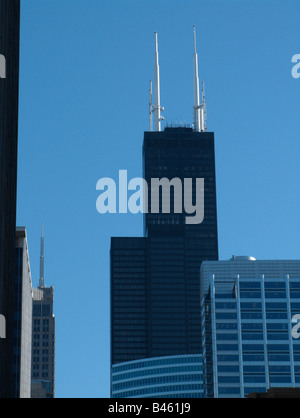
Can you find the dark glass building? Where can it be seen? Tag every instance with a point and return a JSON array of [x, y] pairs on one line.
[[155, 288], [43, 344], [9, 89]]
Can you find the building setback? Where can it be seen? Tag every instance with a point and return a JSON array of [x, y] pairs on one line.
[[249, 309], [22, 319], [9, 93]]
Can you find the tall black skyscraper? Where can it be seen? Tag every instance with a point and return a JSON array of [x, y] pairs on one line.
[[155, 280], [9, 88], [155, 284]]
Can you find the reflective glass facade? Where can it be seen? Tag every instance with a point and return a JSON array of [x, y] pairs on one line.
[[155, 307], [163, 377], [247, 311]]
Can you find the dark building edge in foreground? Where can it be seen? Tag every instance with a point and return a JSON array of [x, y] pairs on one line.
[[9, 103]]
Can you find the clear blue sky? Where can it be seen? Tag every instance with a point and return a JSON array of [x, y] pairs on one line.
[[85, 70]]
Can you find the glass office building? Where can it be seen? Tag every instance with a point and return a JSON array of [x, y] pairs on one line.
[[248, 308], [162, 377]]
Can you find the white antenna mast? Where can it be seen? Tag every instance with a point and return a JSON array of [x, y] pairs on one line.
[[150, 108], [197, 113], [199, 109], [157, 108], [42, 262], [204, 108]]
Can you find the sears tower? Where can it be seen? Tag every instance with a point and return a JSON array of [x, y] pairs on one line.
[[155, 280]]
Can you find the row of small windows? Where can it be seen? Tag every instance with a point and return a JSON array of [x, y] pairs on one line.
[[269, 285], [257, 306], [258, 295], [164, 389], [281, 348], [257, 358], [157, 381], [37, 367], [252, 315], [258, 369], [44, 375], [247, 336], [155, 371], [257, 379], [44, 344], [40, 310], [38, 359], [159, 362]]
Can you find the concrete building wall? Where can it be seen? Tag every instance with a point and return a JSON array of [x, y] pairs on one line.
[[23, 318]]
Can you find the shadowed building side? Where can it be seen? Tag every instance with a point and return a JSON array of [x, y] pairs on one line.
[[9, 94]]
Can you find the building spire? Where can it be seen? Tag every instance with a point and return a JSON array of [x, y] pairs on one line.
[[157, 107], [199, 109], [203, 108], [197, 113], [150, 107], [42, 261]]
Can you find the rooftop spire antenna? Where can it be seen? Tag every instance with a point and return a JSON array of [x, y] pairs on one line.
[[197, 114], [42, 261], [204, 108], [150, 108], [157, 106]]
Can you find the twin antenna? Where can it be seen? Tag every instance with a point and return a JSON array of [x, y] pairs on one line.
[[156, 107], [199, 107]]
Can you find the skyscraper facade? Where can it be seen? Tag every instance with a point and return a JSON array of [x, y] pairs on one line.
[[155, 280], [9, 92], [22, 319], [43, 338], [155, 289], [43, 344], [250, 311]]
